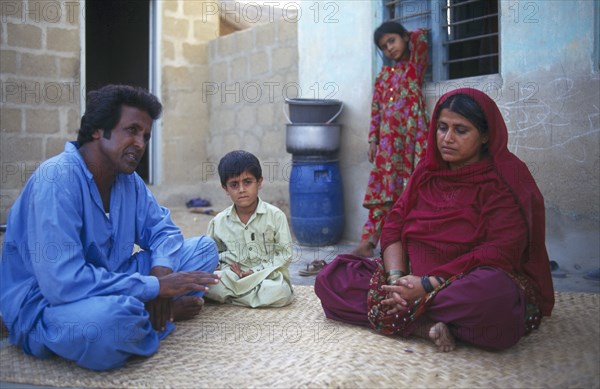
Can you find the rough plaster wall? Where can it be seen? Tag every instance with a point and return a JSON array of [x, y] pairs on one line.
[[40, 92], [547, 90], [551, 103], [340, 67], [250, 72]]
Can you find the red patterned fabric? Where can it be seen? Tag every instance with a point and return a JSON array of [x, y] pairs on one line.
[[490, 213], [399, 123]]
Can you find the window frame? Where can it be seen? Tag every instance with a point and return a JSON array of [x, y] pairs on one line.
[[432, 16]]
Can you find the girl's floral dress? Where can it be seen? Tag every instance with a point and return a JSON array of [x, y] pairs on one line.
[[399, 123]]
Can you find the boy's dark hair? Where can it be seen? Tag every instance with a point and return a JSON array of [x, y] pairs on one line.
[[388, 28], [103, 108], [236, 162]]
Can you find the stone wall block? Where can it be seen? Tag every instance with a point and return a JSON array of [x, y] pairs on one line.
[[69, 68], [176, 77], [266, 114], [28, 148], [283, 58], [171, 6], [287, 33], [38, 65], [273, 139], [44, 121], [55, 146], [24, 35], [8, 61], [265, 35], [239, 69], [177, 28], [205, 29], [168, 50], [72, 123], [62, 39], [219, 71], [246, 118], [195, 53], [259, 63], [226, 45], [243, 41], [10, 119]]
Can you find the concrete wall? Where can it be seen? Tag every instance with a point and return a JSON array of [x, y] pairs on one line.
[[227, 93], [187, 28], [336, 59], [40, 91], [550, 98], [250, 73], [548, 90]]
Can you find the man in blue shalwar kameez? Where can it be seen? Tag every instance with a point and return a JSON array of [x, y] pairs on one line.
[[70, 284]]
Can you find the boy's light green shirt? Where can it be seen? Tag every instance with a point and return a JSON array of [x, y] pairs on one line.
[[265, 241], [263, 245]]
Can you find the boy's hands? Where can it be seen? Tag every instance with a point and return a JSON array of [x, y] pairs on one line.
[[236, 268]]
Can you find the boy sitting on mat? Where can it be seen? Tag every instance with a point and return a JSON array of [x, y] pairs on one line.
[[253, 239]]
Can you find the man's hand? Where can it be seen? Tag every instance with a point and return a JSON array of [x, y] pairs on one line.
[[160, 309], [171, 285], [176, 284]]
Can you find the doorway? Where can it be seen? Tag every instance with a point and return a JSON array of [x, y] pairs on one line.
[[117, 49]]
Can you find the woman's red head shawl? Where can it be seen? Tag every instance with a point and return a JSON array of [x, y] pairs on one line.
[[512, 171]]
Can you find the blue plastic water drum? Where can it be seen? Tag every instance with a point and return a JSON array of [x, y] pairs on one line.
[[317, 202]]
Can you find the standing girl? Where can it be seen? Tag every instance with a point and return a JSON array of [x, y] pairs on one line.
[[399, 125]]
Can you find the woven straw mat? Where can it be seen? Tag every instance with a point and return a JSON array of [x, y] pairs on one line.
[[296, 346]]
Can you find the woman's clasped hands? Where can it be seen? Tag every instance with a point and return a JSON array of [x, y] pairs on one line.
[[404, 291]]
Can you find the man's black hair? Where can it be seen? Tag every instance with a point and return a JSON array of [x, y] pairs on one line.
[[103, 108]]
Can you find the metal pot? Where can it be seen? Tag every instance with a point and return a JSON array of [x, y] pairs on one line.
[[312, 139]]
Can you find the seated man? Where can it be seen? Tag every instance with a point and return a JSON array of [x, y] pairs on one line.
[[253, 238], [70, 282]]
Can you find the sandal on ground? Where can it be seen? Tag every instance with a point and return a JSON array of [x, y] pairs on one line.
[[313, 268]]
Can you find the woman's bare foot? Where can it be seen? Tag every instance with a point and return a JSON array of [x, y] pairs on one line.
[[186, 307], [440, 334], [364, 249]]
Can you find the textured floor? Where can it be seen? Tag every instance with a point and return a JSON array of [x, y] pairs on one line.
[[566, 371], [297, 347]]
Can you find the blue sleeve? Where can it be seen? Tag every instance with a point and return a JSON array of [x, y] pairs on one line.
[[157, 232], [53, 221]]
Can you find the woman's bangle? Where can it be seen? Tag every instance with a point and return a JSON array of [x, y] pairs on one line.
[[426, 284], [393, 275], [391, 280], [440, 280], [395, 272]]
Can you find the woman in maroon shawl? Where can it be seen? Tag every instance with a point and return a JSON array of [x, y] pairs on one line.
[[463, 250]]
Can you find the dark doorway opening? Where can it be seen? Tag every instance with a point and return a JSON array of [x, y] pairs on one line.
[[117, 42]]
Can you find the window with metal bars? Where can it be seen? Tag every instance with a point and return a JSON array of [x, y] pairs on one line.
[[463, 34]]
